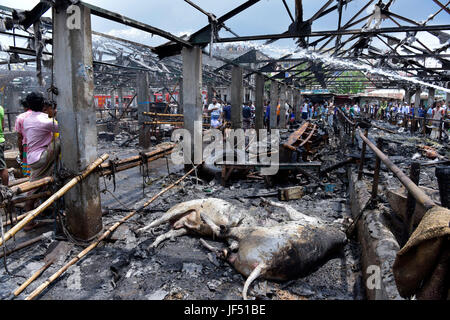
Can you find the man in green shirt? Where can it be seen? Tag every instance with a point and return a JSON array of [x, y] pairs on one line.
[[3, 169]]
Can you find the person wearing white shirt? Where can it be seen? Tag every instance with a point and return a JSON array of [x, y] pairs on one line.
[[216, 110]]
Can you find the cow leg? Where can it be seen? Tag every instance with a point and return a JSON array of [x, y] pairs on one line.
[[172, 234]]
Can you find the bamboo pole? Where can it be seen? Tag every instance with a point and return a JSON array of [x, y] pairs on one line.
[[42, 287], [28, 186], [135, 164], [36, 275], [33, 214], [156, 152], [18, 182]]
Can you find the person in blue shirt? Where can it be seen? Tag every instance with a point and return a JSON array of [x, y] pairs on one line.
[[268, 115], [227, 112]]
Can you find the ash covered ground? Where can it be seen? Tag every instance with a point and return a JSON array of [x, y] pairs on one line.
[[122, 269]]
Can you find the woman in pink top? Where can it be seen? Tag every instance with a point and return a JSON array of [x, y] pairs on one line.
[[21, 141], [38, 130]]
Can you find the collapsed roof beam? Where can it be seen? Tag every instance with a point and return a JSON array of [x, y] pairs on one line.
[[100, 12], [336, 33]]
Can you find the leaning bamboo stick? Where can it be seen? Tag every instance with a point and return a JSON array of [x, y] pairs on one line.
[[139, 158], [33, 214], [28, 186], [135, 164], [18, 182], [36, 275], [42, 287]]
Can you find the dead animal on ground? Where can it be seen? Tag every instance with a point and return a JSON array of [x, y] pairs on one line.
[[185, 218], [279, 253]]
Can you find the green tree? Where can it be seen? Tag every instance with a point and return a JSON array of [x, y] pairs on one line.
[[350, 82]]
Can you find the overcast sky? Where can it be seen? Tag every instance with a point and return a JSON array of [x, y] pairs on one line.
[[265, 17]]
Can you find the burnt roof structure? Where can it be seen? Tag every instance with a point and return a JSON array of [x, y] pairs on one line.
[[378, 46]]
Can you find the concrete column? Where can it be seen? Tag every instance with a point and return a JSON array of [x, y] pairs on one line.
[[180, 96], [408, 97], [120, 92], [210, 94], [259, 102], [283, 100], [237, 97], [113, 98], [431, 96], [77, 120], [274, 99], [417, 103], [143, 102], [447, 98], [297, 105], [192, 96]]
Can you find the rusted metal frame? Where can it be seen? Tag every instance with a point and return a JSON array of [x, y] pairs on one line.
[[220, 21], [349, 23], [104, 35], [321, 10], [288, 11], [106, 14], [336, 33], [363, 156], [442, 6], [417, 193], [309, 136], [400, 43]]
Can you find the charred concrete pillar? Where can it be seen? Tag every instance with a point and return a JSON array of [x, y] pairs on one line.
[[408, 95], [237, 97], [431, 96], [259, 102], [417, 102], [113, 98], [143, 102], [180, 96], [210, 93], [447, 98], [74, 77], [283, 100], [120, 93], [297, 105], [192, 98], [274, 100]]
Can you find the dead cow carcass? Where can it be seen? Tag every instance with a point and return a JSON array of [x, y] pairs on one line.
[[280, 253], [186, 218]]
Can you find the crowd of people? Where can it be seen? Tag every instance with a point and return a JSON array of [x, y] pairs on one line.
[[220, 113], [37, 138]]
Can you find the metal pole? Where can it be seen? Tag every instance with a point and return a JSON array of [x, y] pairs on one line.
[[418, 194]]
